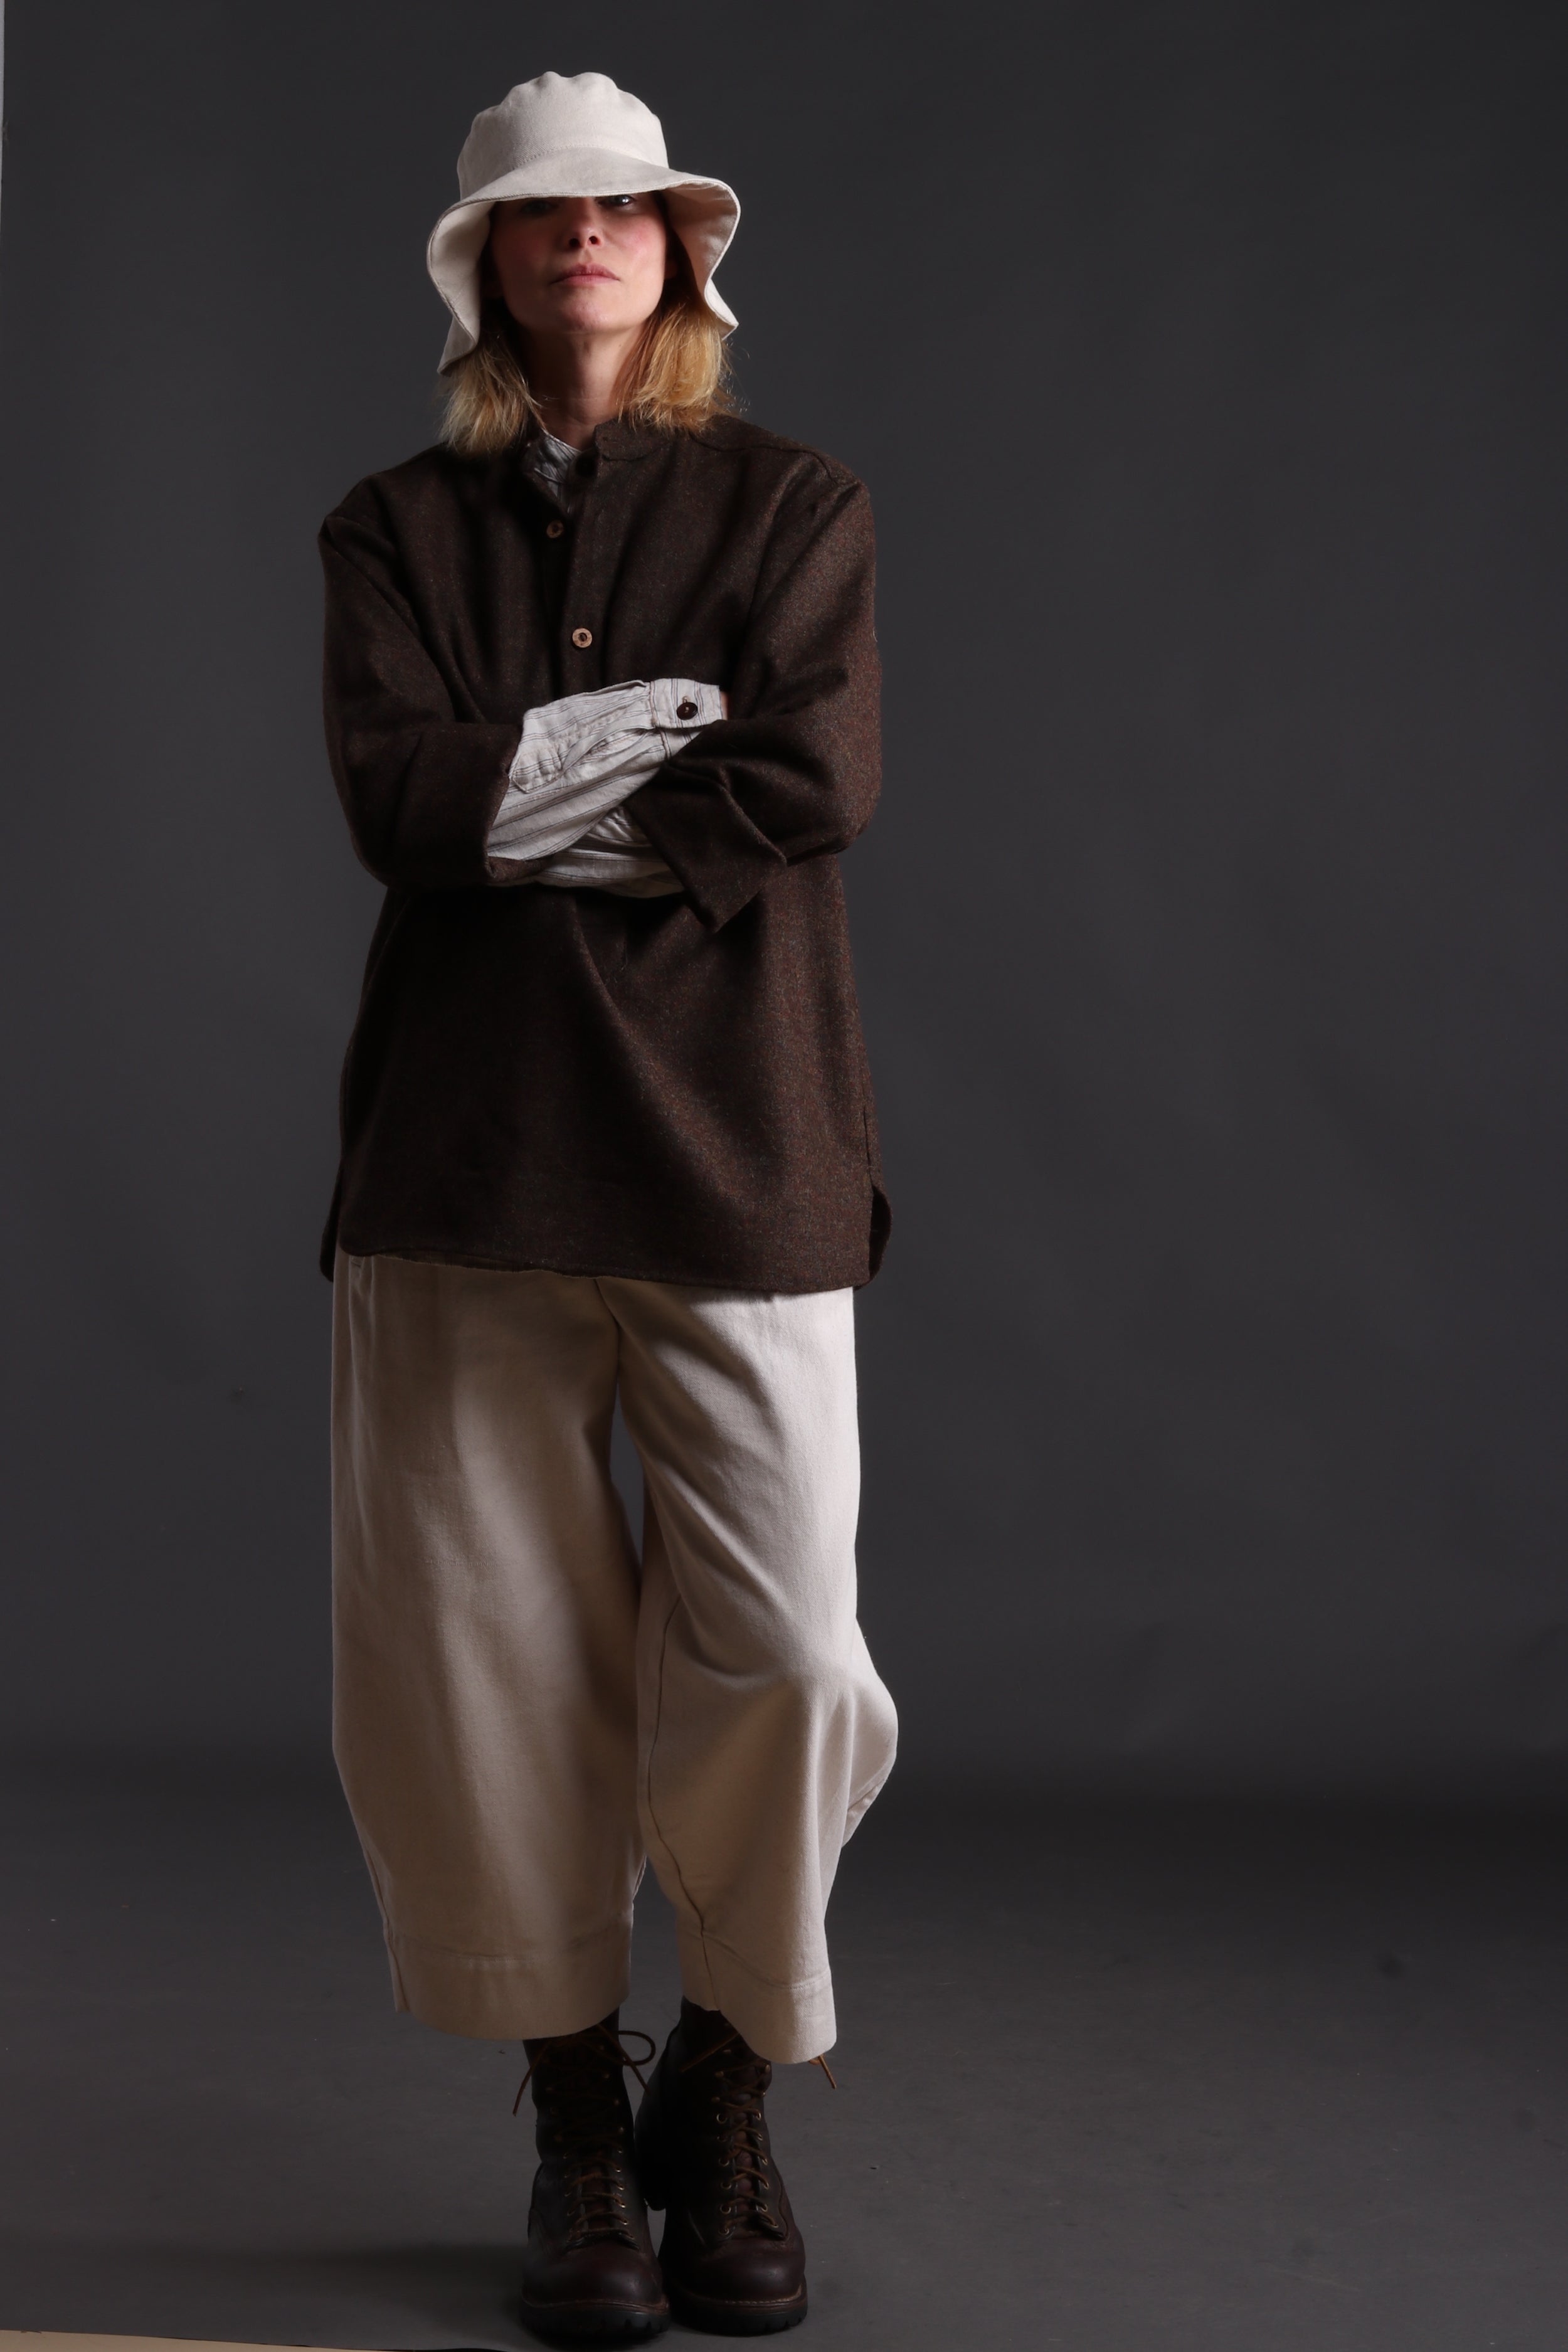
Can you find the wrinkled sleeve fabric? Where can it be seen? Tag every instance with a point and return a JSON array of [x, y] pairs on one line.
[[795, 771], [420, 780], [581, 756], [614, 854]]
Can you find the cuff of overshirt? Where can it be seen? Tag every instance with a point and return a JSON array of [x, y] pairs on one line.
[[705, 837]]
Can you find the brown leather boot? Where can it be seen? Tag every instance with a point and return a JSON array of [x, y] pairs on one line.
[[732, 2259], [589, 2275]]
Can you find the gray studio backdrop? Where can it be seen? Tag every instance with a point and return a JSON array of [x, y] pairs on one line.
[[1205, 363]]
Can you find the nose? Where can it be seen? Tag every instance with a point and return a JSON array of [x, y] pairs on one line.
[[580, 227]]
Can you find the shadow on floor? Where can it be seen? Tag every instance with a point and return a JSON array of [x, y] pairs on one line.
[[1184, 2081]]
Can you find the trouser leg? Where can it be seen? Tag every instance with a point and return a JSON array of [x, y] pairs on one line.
[[764, 1731], [485, 1610]]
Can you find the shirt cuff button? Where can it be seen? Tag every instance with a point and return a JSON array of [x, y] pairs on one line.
[[687, 709]]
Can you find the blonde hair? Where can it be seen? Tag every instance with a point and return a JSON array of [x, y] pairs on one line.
[[676, 379]]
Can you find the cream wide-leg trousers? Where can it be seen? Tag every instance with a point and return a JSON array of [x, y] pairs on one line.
[[521, 1712]]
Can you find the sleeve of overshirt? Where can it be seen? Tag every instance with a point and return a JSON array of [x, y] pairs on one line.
[[795, 771], [419, 783]]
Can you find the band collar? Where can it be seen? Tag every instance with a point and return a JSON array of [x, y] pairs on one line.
[[613, 443], [618, 439]]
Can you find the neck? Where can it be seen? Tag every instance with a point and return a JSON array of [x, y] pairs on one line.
[[574, 380]]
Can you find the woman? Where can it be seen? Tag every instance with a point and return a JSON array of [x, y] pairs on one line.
[[601, 707]]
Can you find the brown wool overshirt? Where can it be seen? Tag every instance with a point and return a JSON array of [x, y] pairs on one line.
[[674, 1087]]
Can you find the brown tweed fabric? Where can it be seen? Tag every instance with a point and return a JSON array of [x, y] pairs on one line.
[[671, 1088]]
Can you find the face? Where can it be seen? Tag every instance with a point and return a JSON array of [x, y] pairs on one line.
[[578, 265]]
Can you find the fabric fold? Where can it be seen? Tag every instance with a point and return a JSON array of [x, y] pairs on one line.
[[580, 758]]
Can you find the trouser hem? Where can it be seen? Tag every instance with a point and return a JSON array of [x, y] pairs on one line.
[[785, 2022], [502, 1998]]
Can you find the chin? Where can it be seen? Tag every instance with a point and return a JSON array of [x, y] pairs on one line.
[[587, 314]]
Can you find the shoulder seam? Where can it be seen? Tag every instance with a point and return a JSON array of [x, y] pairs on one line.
[[834, 470]]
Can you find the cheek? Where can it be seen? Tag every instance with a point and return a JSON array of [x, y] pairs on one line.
[[515, 253], [651, 249]]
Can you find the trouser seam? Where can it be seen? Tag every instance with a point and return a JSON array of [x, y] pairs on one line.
[[798, 1985], [647, 1771]]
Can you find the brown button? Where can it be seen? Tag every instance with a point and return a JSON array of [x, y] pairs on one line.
[[582, 639], [687, 709], [554, 529]]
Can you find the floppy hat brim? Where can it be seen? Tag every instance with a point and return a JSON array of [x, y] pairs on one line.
[[703, 212]]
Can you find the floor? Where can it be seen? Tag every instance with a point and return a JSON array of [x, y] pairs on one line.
[[1184, 2081]]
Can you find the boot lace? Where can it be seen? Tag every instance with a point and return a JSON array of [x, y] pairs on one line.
[[750, 2202], [584, 2127]]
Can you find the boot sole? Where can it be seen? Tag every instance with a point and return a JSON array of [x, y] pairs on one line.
[[605, 2322], [716, 2318]]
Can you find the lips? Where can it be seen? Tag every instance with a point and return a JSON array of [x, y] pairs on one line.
[[581, 277]]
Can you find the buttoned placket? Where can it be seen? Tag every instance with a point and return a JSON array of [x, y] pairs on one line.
[[547, 517], [582, 619], [581, 558]]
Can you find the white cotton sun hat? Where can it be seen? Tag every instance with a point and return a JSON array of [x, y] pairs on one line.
[[569, 135]]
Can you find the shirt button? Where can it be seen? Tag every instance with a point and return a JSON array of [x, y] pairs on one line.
[[687, 709], [582, 639], [554, 529]]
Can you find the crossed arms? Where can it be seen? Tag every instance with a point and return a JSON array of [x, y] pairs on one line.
[[438, 796]]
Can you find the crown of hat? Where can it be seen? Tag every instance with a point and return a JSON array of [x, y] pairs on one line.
[[554, 115]]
